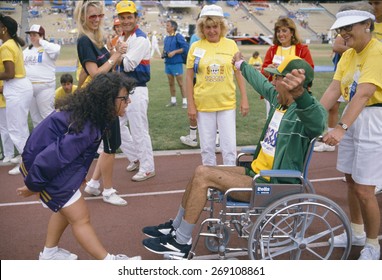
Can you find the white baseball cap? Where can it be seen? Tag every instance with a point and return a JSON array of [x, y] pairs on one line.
[[211, 10], [350, 17]]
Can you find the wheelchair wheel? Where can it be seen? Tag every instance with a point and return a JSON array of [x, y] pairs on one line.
[[212, 242], [300, 226]]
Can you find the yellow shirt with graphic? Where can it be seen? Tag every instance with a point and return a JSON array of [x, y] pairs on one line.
[[266, 156], [357, 68], [215, 88], [10, 51]]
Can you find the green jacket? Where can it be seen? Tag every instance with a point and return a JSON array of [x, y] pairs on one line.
[[304, 120]]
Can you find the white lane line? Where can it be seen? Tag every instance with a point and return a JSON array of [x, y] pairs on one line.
[[144, 194]]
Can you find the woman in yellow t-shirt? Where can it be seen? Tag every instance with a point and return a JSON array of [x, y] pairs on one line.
[[212, 100], [358, 134], [256, 60], [17, 89]]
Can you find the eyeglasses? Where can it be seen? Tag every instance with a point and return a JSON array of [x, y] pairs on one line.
[[346, 28], [94, 17], [124, 98]]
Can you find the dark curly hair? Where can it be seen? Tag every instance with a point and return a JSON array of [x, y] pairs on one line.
[[95, 102]]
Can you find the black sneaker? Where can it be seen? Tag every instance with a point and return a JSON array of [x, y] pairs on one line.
[[158, 231], [167, 245]]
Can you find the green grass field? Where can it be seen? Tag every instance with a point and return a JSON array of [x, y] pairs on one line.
[[168, 124]]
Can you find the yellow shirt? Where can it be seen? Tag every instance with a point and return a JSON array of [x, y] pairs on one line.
[[377, 32], [255, 61], [215, 89], [10, 51], [357, 68], [60, 93]]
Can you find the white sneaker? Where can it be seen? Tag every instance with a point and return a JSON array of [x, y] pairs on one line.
[[124, 257], [7, 159], [324, 148], [132, 165], [378, 189], [184, 106], [114, 199], [187, 140], [16, 159], [92, 189], [369, 252], [15, 170], [141, 176], [61, 254], [341, 240]]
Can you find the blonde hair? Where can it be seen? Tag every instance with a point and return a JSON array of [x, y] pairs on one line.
[[286, 22], [80, 15], [210, 21]]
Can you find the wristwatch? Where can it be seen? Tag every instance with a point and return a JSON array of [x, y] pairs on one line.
[[111, 62], [343, 125]]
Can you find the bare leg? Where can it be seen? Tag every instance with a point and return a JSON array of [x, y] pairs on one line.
[[171, 82], [106, 166], [77, 215], [179, 79], [56, 227]]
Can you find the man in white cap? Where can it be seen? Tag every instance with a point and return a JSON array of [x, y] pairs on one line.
[[136, 64]]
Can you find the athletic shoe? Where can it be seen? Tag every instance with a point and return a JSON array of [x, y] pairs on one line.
[[16, 159], [187, 140], [167, 245], [370, 252], [324, 148], [132, 166], [158, 231], [7, 159], [92, 189], [378, 189], [124, 257], [171, 104], [341, 240], [114, 199], [184, 106], [61, 254], [141, 176], [15, 170]]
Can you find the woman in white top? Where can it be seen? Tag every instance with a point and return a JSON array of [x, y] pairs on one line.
[[40, 64]]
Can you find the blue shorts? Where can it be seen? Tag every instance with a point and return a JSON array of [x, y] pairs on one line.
[[174, 69]]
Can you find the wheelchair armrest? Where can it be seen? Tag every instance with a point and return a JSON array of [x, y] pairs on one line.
[[248, 150], [283, 173]]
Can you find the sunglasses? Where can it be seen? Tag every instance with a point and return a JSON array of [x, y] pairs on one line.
[[124, 98], [346, 28], [94, 17]]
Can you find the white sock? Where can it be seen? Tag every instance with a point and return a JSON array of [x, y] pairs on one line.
[[108, 257], [93, 183], [357, 229], [193, 130], [49, 251], [173, 99], [184, 101]]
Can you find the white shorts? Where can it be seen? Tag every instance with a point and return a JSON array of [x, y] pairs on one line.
[[76, 196], [360, 150]]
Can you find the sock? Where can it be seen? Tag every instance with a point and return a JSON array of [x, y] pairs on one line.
[[193, 130], [374, 242], [93, 183], [184, 101], [178, 219], [108, 257], [184, 232], [173, 99], [357, 229], [48, 252], [108, 192]]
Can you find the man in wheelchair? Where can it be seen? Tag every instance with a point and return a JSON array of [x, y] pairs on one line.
[[295, 118]]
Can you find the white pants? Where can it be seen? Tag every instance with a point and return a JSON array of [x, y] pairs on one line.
[[127, 143], [155, 48], [360, 150], [42, 102], [18, 97], [7, 144], [207, 126], [139, 128]]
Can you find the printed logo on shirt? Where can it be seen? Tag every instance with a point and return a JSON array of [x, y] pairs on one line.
[[215, 73]]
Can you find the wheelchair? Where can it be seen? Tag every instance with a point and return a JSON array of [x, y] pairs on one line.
[[281, 221]]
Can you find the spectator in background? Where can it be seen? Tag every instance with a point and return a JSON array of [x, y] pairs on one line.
[[155, 44], [256, 60], [17, 89], [96, 59], [173, 46], [40, 64], [66, 87], [286, 41]]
